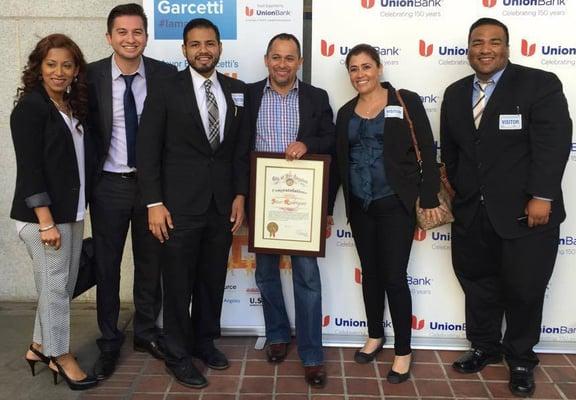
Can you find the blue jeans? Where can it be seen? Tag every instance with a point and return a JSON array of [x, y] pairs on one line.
[[307, 301]]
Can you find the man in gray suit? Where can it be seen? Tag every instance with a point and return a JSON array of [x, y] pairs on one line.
[[118, 87]]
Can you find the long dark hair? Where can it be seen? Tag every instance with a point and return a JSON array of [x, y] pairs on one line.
[[32, 74]]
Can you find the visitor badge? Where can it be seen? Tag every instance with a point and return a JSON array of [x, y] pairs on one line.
[[510, 122], [238, 99], [394, 112]]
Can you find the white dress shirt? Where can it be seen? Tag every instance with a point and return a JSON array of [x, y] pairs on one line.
[[117, 158], [200, 92]]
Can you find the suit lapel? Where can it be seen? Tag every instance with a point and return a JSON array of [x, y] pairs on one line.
[[149, 70], [305, 108], [464, 102], [105, 100], [497, 95], [191, 103], [230, 105]]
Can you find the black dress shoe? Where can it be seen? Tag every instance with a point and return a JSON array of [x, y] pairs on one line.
[[521, 381], [364, 358], [475, 360], [106, 364], [188, 375], [149, 346], [315, 376], [276, 352], [212, 357]]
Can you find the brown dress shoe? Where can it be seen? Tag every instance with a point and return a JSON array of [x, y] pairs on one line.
[[276, 352], [315, 376]]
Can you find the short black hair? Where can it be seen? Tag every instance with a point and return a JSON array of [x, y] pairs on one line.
[[200, 23], [127, 9], [284, 36], [489, 21], [363, 48]]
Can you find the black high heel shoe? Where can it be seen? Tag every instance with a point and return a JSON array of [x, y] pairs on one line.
[[86, 383], [32, 363], [396, 377], [364, 358]]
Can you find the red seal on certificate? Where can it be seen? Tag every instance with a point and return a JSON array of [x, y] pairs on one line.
[[272, 228]]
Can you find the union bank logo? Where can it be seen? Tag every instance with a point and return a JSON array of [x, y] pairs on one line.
[[325, 321], [367, 3], [249, 11], [419, 234], [488, 3], [326, 49], [527, 49], [424, 49], [449, 50], [417, 324]]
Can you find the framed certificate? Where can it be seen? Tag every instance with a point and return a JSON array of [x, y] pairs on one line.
[[289, 201]]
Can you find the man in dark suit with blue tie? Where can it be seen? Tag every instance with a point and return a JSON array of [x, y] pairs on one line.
[[193, 147], [505, 136], [118, 86], [306, 127]]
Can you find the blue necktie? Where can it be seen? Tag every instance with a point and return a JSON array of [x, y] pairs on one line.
[[131, 120]]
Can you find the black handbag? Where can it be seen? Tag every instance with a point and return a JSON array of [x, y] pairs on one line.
[[87, 269]]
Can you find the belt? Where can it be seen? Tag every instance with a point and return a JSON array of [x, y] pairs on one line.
[[123, 175]]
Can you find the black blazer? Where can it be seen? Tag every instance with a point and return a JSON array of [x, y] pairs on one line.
[[47, 169], [176, 164], [100, 97], [316, 126], [400, 161], [507, 167]]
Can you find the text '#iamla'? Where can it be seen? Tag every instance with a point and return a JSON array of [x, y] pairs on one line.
[[411, 3], [209, 7]]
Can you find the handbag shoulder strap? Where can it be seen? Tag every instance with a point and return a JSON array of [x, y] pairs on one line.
[[411, 126]]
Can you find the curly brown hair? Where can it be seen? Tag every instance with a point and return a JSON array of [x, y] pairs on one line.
[[32, 74]]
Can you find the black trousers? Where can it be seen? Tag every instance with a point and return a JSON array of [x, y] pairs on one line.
[[195, 260], [503, 278], [383, 234], [117, 205]]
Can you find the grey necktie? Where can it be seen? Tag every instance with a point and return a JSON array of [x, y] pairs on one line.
[[480, 105], [213, 116]]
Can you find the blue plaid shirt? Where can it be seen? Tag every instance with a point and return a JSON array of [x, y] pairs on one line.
[[278, 119]]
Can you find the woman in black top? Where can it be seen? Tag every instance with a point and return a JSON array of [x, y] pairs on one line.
[[381, 180], [53, 165]]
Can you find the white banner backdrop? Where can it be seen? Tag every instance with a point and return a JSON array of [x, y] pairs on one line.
[[423, 46]]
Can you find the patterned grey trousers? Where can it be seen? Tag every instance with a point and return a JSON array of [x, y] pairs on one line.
[[55, 273]]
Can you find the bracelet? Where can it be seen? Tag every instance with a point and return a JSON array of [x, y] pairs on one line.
[[46, 228]]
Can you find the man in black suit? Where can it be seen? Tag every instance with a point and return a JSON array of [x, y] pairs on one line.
[[306, 127], [193, 147], [117, 203], [505, 134]]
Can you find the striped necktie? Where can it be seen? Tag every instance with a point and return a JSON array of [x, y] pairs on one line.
[[213, 116], [480, 105]]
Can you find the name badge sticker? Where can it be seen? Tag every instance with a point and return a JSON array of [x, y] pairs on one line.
[[394, 112], [510, 122], [238, 99]]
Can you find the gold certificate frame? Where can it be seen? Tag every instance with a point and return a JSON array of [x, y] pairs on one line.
[[289, 202]]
